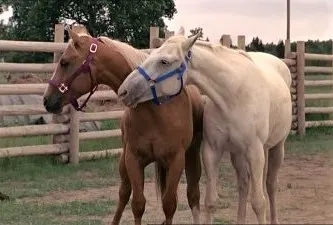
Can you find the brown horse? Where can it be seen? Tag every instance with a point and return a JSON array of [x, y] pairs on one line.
[[169, 134]]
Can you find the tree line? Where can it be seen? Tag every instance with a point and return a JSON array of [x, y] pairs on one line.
[[125, 20], [311, 46]]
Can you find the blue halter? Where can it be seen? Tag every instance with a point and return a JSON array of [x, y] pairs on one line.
[[179, 71]]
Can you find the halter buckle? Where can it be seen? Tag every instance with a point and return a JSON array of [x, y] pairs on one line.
[[63, 88], [151, 83], [93, 48]]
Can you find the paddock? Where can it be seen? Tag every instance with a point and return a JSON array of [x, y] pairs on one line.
[[43, 189]]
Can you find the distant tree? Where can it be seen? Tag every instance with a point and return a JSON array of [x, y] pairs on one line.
[[280, 49], [255, 45], [207, 39], [126, 20], [195, 31]]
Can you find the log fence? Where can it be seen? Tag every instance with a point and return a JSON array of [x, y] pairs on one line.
[[65, 126]]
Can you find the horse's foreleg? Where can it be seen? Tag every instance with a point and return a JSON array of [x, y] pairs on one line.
[[256, 158], [193, 174], [135, 173], [275, 159], [3, 197], [124, 190], [176, 166], [211, 158], [240, 164]]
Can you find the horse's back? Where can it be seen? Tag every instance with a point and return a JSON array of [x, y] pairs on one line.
[[271, 65]]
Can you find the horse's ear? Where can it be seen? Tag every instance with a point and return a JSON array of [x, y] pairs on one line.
[[189, 42], [181, 31], [73, 35]]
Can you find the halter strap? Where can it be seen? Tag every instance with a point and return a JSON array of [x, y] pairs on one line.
[[65, 86], [178, 71]]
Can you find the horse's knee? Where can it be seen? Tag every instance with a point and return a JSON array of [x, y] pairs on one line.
[[193, 195], [169, 205], [211, 207], [138, 206], [125, 191], [258, 203]]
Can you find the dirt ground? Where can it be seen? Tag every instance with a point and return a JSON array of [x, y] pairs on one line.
[[305, 195]]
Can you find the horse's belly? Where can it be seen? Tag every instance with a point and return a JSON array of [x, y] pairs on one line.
[[280, 121], [217, 130], [157, 143]]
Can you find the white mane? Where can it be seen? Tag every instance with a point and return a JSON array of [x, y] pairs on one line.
[[217, 49]]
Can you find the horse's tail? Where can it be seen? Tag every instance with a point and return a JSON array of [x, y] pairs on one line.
[[198, 103], [160, 179]]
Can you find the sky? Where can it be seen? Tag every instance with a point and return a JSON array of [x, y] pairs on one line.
[[310, 19]]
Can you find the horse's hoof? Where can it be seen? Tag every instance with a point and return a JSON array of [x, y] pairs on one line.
[[4, 197]]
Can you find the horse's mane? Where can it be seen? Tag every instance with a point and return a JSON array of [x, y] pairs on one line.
[[133, 56], [80, 29], [215, 48]]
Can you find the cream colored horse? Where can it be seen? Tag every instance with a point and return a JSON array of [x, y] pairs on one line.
[[249, 112]]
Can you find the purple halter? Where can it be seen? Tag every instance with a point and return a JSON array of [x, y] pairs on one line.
[[64, 87]]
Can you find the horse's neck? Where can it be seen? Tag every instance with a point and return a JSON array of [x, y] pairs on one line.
[[213, 77], [115, 73]]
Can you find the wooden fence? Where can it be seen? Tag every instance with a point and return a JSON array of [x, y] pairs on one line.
[[301, 57], [65, 127]]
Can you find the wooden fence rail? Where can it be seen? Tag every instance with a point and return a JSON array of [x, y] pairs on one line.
[[65, 126], [302, 83]]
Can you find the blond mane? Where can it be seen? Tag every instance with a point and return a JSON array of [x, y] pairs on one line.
[[133, 56], [80, 30]]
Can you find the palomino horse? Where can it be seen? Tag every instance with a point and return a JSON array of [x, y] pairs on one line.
[[169, 134], [249, 112]]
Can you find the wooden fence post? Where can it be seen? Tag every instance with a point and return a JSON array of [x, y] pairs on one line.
[[293, 89], [287, 48], [300, 87], [74, 124], [62, 118], [241, 42], [331, 114], [154, 33], [74, 142], [226, 40], [59, 36]]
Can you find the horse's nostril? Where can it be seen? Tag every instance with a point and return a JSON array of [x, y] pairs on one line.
[[123, 94], [45, 101]]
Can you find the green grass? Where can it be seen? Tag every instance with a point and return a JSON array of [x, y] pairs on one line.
[[317, 140], [37, 175], [74, 212], [34, 177]]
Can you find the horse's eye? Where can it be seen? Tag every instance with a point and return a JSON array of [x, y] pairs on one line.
[[164, 62], [63, 63]]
